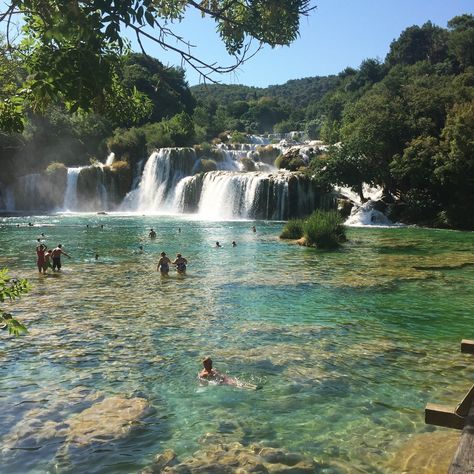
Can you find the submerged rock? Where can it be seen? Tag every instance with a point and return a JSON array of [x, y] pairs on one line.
[[111, 418], [234, 458], [426, 453]]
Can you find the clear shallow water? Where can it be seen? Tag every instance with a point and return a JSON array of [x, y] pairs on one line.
[[348, 345]]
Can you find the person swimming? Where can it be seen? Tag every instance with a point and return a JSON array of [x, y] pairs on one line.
[[180, 263], [218, 245], [208, 374], [152, 234], [163, 264], [234, 244]]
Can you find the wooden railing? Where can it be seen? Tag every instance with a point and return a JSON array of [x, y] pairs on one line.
[[462, 418]]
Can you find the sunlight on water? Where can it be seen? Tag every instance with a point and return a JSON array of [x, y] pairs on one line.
[[348, 346]]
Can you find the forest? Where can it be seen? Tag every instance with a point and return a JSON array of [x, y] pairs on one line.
[[404, 123]]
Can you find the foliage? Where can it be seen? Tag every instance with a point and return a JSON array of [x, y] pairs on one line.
[[291, 161], [293, 229], [56, 167], [324, 229], [248, 164], [128, 145], [74, 53], [11, 289], [207, 165]]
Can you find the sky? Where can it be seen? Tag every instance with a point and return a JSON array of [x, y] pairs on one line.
[[337, 34]]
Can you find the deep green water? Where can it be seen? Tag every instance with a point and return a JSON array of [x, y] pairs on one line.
[[348, 345]]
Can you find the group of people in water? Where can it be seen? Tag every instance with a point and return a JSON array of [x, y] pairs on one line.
[[49, 258], [164, 264]]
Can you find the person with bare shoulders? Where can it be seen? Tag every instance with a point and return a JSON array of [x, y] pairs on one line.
[[47, 262], [152, 234], [180, 263], [208, 374], [40, 251], [163, 264], [56, 255]]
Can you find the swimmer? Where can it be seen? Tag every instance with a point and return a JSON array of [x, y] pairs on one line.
[[208, 374], [254, 229], [163, 264], [218, 245], [152, 234], [180, 263], [96, 256], [179, 230], [234, 244]]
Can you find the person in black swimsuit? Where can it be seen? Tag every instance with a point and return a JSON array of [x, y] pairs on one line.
[[163, 264]]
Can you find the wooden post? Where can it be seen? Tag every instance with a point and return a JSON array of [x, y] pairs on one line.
[[467, 346], [463, 461]]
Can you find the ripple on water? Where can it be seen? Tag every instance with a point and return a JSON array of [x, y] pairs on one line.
[[347, 345]]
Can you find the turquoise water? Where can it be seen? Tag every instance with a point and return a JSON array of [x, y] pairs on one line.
[[348, 346]]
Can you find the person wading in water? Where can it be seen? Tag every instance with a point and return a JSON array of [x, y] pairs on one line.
[[56, 255]]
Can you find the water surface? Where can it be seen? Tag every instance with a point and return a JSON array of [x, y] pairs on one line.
[[349, 346]]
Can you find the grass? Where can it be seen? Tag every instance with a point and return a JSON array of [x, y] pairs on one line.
[[322, 229]]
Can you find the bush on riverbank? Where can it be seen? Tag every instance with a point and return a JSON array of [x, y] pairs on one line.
[[322, 229], [293, 229]]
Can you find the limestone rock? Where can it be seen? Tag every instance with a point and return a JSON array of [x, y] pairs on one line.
[[234, 458], [111, 418]]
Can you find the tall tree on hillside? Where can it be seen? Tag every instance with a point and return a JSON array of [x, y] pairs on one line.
[[426, 43], [164, 86], [461, 39]]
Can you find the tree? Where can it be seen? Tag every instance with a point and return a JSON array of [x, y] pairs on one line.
[[425, 43], [72, 50], [11, 289], [461, 39]]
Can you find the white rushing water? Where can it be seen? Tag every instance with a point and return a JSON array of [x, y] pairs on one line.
[[161, 174], [110, 159], [70, 196]]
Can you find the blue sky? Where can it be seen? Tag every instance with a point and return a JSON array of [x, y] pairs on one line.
[[339, 33]]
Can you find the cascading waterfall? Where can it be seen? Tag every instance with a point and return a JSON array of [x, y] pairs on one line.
[[70, 196], [177, 180], [225, 195], [162, 172]]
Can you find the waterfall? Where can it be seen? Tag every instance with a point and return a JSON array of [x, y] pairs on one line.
[[70, 196], [162, 172], [7, 199], [110, 159]]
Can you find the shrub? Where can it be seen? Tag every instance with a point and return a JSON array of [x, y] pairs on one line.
[[290, 161], [56, 167], [119, 165], [293, 229], [128, 145], [207, 165], [238, 137], [248, 164], [324, 229]]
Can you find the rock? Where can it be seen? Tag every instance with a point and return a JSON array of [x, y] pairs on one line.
[[111, 418], [426, 453], [235, 458]]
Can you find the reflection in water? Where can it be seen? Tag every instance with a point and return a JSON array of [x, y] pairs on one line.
[[348, 345]]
